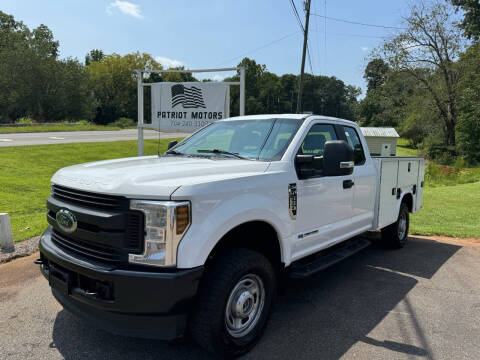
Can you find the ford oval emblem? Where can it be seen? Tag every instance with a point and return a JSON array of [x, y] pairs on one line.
[[66, 220]]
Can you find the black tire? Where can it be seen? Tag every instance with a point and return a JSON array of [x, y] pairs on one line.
[[208, 325], [395, 236]]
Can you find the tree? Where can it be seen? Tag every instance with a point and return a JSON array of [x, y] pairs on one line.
[[375, 73], [175, 76], [32, 79], [471, 20], [387, 104], [94, 55], [267, 93], [114, 84], [469, 115], [426, 51]]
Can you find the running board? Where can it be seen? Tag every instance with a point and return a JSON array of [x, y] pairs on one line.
[[325, 258]]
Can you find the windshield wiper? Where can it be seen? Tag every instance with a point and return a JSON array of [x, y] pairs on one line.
[[218, 151], [173, 152]]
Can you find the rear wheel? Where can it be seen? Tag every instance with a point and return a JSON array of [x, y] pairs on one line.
[[233, 303], [395, 235]]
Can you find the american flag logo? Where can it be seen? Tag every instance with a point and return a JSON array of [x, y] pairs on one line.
[[189, 97]]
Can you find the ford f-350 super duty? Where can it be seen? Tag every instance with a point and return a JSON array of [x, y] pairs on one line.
[[198, 238]]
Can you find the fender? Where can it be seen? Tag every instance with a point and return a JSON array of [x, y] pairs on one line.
[[402, 195], [205, 232]]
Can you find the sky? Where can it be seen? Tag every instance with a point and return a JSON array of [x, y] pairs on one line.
[[201, 34]]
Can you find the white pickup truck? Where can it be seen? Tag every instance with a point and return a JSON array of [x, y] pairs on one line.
[[198, 238]]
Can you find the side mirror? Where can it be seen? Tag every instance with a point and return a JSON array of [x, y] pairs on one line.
[[172, 144], [337, 158], [308, 165], [304, 166]]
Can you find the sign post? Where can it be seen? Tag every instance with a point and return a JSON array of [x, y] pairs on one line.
[[140, 111], [186, 106]]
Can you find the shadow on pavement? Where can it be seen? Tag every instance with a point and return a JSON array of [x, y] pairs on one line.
[[320, 317]]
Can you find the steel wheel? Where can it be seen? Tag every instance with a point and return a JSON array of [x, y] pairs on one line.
[[244, 305], [402, 226]]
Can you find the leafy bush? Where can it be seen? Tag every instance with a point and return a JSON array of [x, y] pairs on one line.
[[468, 128], [123, 123], [413, 128], [82, 122], [25, 120], [432, 147], [451, 175], [459, 165]]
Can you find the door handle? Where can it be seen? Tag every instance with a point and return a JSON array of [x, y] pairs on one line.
[[347, 184]]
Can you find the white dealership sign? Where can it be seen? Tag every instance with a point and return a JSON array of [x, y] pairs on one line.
[[187, 106]]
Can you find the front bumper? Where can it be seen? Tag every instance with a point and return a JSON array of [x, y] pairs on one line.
[[134, 302]]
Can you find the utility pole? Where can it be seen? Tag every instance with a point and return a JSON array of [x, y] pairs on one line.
[[305, 39]]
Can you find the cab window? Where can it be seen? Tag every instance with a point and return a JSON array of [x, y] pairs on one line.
[[314, 143], [354, 141]]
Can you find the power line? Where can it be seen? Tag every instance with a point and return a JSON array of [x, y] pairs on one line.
[[354, 35], [325, 35], [359, 23], [259, 48], [318, 42], [309, 59], [297, 16]]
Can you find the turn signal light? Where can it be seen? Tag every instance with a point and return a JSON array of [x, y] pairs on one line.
[[182, 218]]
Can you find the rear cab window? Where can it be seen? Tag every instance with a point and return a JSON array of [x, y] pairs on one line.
[[353, 140]]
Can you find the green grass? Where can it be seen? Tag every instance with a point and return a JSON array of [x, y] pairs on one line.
[[25, 173], [449, 210], [451, 200], [49, 128], [404, 150]]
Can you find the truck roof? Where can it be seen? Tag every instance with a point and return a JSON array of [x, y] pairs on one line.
[[299, 117]]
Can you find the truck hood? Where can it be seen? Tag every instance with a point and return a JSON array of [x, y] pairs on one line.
[[152, 177]]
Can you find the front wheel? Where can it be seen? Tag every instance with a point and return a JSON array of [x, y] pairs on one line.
[[233, 303], [395, 235]]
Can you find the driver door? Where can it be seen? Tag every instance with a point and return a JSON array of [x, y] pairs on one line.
[[324, 204]]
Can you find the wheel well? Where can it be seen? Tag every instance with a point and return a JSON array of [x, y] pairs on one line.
[[408, 200], [254, 235]]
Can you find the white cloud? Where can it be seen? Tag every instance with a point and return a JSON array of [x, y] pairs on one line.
[[167, 62], [126, 8], [364, 48], [217, 77]]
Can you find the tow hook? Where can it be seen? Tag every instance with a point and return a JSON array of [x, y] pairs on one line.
[[38, 262]]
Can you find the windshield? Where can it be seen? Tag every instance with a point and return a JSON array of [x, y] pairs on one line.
[[252, 139]]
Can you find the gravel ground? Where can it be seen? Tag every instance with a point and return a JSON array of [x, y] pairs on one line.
[[421, 302], [22, 249]]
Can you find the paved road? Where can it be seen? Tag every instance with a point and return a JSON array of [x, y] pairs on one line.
[[40, 138], [419, 302]]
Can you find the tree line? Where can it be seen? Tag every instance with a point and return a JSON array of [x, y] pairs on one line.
[[36, 83], [425, 81]]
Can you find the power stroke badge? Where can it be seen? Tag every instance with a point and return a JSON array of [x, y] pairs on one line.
[[292, 200]]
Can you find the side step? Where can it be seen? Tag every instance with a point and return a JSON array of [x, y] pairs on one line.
[[325, 258]]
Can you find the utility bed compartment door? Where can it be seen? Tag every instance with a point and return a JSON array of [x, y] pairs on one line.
[[407, 173], [387, 207], [420, 184], [397, 175]]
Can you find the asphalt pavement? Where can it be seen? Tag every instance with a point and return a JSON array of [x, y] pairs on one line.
[[419, 302], [45, 138]]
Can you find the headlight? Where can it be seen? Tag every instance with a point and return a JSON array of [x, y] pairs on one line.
[[165, 224]]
